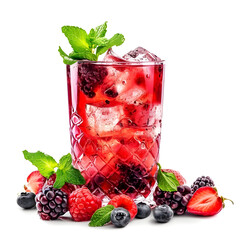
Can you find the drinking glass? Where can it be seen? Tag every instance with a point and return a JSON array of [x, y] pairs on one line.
[[115, 115]]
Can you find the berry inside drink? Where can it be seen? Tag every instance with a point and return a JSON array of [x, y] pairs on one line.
[[115, 110]]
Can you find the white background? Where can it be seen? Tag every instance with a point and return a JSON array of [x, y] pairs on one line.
[[199, 41]]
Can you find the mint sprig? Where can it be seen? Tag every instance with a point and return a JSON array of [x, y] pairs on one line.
[[46, 165], [102, 216], [167, 181], [66, 59], [43, 162], [77, 37], [116, 40], [88, 46], [98, 32], [66, 173]]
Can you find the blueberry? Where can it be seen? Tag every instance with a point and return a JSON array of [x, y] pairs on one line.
[[162, 213], [143, 210], [26, 200], [120, 217]]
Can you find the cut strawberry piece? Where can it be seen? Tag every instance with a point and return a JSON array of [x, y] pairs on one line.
[[177, 174], [206, 202], [35, 182]]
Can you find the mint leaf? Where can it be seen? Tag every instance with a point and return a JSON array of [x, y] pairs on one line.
[[77, 37], [85, 54], [116, 40], [43, 162], [98, 32], [73, 176], [60, 180], [167, 181], [66, 173], [101, 216], [66, 59], [65, 162], [100, 41]]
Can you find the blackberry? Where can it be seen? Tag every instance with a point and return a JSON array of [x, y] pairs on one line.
[[51, 203], [134, 178], [112, 93], [176, 200], [133, 175], [202, 182], [91, 76]]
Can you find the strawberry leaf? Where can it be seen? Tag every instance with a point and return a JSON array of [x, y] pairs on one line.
[[166, 181]]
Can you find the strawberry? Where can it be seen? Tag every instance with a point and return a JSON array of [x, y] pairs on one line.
[[206, 202], [35, 182], [177, 174]]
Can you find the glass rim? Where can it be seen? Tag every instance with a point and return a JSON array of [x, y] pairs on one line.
[[145, 63]]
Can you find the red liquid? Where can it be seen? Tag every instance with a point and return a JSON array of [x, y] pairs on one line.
[[115, 124]]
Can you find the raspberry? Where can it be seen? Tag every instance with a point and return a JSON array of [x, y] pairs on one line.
[[176, 200], [177, 174], [202, 182], [125, 202], [51, 203], [91, 76], [82, 204], [67, 187]]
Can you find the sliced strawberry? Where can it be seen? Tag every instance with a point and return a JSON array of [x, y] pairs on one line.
[[206, 202], [35, 182], [177, 174]]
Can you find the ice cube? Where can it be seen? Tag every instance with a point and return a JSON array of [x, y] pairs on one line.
[[132, 96], [144, 115], [112, 57], [102, 118], [115, 83], [141, 55]]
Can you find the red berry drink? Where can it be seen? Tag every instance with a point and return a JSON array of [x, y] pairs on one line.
[[115, 110]]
